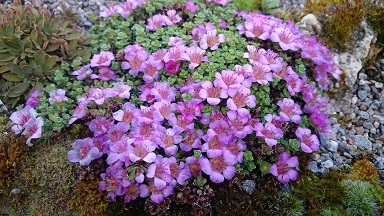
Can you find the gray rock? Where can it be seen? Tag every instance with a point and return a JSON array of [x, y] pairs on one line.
[[368, 125], [249, 186], [363, 115], [362, 142], [327, 164], [362, 76], [312, 166], [378, 118], [354, 100], [310, 25], [379, 85], [362, 94]]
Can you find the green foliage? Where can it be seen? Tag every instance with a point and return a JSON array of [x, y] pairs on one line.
[[360, 197], [265, 6], [33, 42]]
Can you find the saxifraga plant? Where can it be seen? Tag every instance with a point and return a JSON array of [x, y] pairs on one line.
[[33, 42]]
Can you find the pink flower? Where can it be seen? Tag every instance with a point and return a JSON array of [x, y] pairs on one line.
[[219, 167], [146, 94], [172, 67], [191, 140], [109, 11], [33, 129], [195, 56], [214, 144], [290, 110], [261, 73], [283, 168], [82, 72], [34, 99], [150, 68], [157, 195], [174, 54], [83, 152], [273, 60], [160, 172], [122, 90], [255, 28], [117, 131], [126, 114], [179, 172], [167, 139], [239, 123], [148, 115], [294, 83], [190, 109], [285, 37], [285, 71], [165, 108], [211, 93], [110, 182], [173, 17], [176, 41], [220, 2], [163, 91], [222, 23], [119, 152], [80, 110], [212, 40], [269, 132], [189, 6], [236, 148], [156, 22], [228, 80], [143, 150], [106, 74], [254, 53], [194, 165], [57, 96], [181, 123], [127, 8], [308, 142], [104, 58], [100, 125], [240, 97], [99, 95], [317, 117], [198, 31]]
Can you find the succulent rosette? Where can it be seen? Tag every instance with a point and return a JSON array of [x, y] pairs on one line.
[[191, 88]]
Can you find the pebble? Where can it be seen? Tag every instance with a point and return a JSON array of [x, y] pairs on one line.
[[362, 142], [362, 94], [327, 164], [363, 115], [379, 85]]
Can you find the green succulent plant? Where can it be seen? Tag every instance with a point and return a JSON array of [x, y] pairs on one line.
[[33, 43]]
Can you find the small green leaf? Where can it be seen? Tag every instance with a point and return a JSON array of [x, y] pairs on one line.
[[28, 70], [14, 68], [3, 69], [52, 48], [40, 58], [12, 77], [9, 30], [18, 90], [49, 63]]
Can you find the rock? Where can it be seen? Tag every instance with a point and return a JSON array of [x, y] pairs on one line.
[[364, 115], [309, 25], [368, 125], [354, 100], [362, 142], [362, 94], [312, 166], [378, 118], [327, 164], [249, 186], [379, 85], [360, 130]]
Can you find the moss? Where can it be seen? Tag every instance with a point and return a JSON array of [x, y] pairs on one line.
[[364, 170], [360, 198], [248, 5], [87, 200]]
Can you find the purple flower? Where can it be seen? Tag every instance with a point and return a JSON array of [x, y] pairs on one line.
[[119, 152], [126, 114], [214, 144], [21, 117], [255, 28], [156, 22], [174, 54], [127, 8], [157, 195], [173, 17], [135, 56], [254, 53], [143, 150], [290, 110], [172, 67], [239, 123], [104, 58], [165, 108], [189, 6], [236, 148], [190, 109], [122, 90], [219, 167], [150, 69], [99, 95], [148, 115], [34, 99], [106, 74], [82, 72], [194, 165], [117, 131], [220, 2], [181, 123], [212, 40], [33, 129], [100, 125], [273, 60], [195, 56], [80, 110], [309, 142], [163, 91], [57, 96], [179, 172], [130, 193], [239, 98], [260, 73], [269, 132], [211, 93], [286, 38], [222, 23], [192, 139], [160, 172], [167, 139], [294, 83], [199, 31], [283, 169], [83, 152], [176, 41], [110, 183]]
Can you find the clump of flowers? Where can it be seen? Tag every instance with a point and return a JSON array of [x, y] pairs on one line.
[[195, 88]]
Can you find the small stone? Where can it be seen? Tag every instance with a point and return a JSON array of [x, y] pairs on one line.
[[249, 186], [347, 155], [354, 100], [362, 82], [379, 118], [379, 85], [362, 76], [363, 115], [368, 125], [15, 191], [362, 142], [363, 107], [312, 166], [372, 130], [327, 164], [362, 94], [360, 130], [315, 156]]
